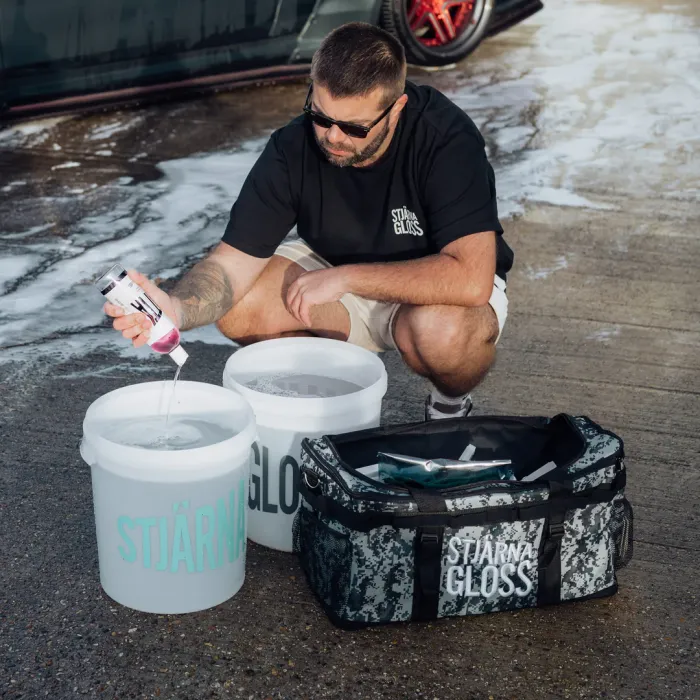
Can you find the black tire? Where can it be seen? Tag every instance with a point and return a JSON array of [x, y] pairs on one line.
[[394, 19]]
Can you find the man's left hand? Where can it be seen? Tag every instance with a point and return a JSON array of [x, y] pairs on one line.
[[313, 289]]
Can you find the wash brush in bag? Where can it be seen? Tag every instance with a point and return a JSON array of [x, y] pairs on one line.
[[403, 470]]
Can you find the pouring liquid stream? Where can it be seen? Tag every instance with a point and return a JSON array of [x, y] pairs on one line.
[[170, 405], [161, 433]]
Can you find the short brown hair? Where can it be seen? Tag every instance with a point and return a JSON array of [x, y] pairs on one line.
[[356, 58]]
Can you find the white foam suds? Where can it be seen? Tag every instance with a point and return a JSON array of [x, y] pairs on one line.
[[589, 103], [599, 93], [12, 185], [14, 267], [106, 131], [152, 226], [29, 133], [604, 335], [541, 273], [25, 234], [564, 198], [117, 371], [69, 164]]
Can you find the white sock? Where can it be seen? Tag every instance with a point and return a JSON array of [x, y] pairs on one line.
[[438, 397]]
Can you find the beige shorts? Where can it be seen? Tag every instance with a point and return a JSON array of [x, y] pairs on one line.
[[372, 322]]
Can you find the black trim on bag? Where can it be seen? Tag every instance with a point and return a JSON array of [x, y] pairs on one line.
[[368, 520], [445, 426], [549, 561], [553, 486], [427, 551], [432, 427], [427, 573]]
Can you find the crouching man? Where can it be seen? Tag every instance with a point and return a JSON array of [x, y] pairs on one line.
[[398, 240]]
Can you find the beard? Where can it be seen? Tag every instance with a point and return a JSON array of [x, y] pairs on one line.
[[353, 157]]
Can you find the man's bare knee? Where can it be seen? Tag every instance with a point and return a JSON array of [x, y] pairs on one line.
[[451, 325], [446, 336]]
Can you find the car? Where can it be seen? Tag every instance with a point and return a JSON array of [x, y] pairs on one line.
[[59, 56]]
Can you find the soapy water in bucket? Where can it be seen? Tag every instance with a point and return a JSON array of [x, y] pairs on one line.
[[182, 433], [302, 386]]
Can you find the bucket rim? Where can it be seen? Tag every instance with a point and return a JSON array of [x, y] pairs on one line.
[[315, 405], [159, 460]]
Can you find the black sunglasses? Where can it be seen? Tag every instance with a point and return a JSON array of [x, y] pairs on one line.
[[357, 131]]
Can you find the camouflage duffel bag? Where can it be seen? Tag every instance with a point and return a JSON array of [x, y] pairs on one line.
[[374, 553]]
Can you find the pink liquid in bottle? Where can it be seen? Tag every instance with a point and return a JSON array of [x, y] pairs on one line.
[[168, 342]]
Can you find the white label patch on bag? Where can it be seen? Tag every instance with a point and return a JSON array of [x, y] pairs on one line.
[[503, 568]]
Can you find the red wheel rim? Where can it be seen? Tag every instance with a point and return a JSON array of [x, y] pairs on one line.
[[439, 22]]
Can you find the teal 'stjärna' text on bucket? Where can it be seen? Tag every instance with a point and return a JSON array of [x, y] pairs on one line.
[[217, 530]]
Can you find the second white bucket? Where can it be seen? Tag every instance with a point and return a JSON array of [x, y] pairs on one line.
[[321, 387]]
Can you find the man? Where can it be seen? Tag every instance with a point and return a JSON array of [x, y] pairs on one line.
[[400, 245]]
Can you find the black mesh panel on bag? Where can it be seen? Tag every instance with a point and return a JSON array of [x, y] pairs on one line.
[[325, 558], [621, 525]]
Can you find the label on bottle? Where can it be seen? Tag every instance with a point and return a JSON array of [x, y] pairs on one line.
[[132, 299]]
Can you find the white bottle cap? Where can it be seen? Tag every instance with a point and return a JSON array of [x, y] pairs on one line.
[[179, 356]]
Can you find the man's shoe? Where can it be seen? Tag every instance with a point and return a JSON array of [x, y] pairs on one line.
[[435, 410]]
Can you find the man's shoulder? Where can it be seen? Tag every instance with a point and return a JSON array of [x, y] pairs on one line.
[[437, 117], [289, 139]]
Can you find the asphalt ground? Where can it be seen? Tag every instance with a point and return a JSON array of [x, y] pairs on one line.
[[590, 114]]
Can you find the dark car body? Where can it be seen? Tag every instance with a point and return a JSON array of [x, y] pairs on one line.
[[68, 54]]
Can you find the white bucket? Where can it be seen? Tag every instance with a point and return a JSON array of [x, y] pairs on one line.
[[283, 421], [170, 524]]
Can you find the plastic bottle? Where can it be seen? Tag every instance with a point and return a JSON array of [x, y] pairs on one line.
[[121, 290]]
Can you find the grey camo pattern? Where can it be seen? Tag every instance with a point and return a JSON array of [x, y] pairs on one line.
[[336, 492], [362, 577], [457, 503], [495, 499], [325, 554], [587, 552], [368, 577], [381, 579], [600, 446], [588, 481], [510, 533]]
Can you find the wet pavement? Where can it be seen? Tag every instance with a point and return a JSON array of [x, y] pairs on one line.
[[590, 113]]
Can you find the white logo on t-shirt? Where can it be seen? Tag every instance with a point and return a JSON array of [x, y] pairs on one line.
[[405, 221]]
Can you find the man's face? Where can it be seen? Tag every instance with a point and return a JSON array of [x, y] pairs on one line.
[[343, 150]]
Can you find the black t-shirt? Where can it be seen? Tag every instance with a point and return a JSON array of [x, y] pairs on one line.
[[432, 186]]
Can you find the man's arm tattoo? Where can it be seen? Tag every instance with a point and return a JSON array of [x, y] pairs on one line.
[[205, 295]]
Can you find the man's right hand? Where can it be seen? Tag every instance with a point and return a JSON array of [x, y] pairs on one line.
[[136, 327]]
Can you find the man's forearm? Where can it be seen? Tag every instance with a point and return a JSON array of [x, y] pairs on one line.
[[203, 295], [436, 279]]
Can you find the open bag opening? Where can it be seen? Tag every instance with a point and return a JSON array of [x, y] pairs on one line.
[[530, 443]]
